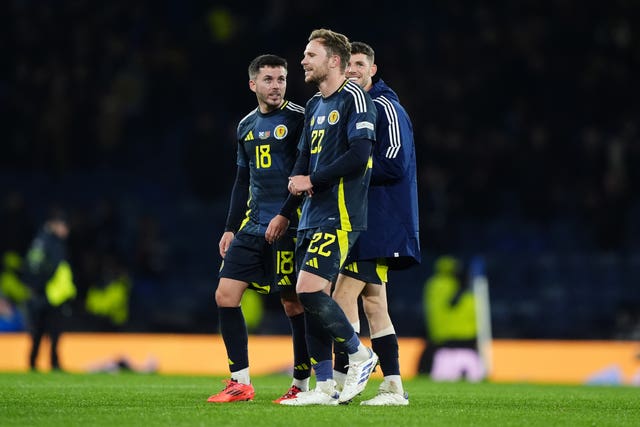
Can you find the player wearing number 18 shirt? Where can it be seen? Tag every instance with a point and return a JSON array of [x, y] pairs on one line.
[[257, 246]]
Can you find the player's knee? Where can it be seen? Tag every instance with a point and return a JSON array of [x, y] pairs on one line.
[[221, 298], [315, 302], [225, 297], [374, 305], [292, 307]]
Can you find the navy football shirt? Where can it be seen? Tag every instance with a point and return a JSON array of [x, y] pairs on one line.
[[267, 145], [331, 125]]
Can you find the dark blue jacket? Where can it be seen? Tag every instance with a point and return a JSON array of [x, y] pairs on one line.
[[393, 225]]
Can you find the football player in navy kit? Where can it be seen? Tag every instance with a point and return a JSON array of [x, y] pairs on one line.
[[258, 246], [333, 169]]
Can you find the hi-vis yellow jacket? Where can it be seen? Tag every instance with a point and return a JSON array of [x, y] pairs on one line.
[[60, 287]]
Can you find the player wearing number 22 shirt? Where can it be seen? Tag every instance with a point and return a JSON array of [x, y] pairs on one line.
[[332, 126]]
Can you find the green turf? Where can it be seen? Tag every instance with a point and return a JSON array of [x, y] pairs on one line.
[[60, 399]]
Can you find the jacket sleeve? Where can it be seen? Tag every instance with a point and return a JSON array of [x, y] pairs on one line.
[[393, 147]]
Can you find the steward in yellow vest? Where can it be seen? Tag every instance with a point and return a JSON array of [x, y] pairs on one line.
[[450, 314], [111, 301], [49, 276]]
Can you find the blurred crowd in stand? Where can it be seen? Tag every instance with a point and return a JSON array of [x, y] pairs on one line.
[[525, 116]]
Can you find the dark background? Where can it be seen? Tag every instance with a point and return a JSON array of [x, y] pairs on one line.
[[526, 125]]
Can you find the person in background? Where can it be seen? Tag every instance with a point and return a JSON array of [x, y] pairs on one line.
[[16, 231], [13, 293], [450, 309], [391, 241], [49, 276], [107, 300]]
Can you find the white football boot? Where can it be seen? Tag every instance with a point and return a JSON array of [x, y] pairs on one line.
[[357, 377], [389, 394], [324, 394]]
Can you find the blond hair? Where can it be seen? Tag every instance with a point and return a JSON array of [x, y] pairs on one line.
[[335, 44]]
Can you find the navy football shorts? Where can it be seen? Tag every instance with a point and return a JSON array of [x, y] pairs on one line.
[[264, 267], [369, 271], [323, 251]]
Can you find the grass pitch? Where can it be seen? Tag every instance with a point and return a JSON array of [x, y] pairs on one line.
[[58, 399]]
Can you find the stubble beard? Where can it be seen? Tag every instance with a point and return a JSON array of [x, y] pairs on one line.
[[317, 79]]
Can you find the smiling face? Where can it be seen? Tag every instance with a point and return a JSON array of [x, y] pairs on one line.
[[361, 70], [316, 62], [270, 86]]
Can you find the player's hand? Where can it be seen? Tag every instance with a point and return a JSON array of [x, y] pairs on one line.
[[300, 184], [225, 242], [276, 229]]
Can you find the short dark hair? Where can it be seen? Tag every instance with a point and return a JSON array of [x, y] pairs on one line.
[[335, 44], [365, 49], [267, 60], [57, 213]]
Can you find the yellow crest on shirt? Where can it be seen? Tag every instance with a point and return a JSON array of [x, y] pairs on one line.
[[280, 131], [333, 118]]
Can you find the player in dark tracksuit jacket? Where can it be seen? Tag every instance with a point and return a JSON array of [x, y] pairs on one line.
[[393, 223], [391, 241]]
